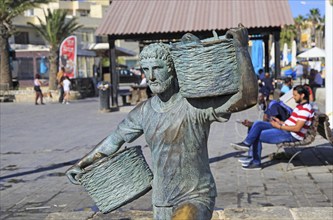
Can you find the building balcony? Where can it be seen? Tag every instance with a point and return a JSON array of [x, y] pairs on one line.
[[89, 22], [23, 20], [74, 5]]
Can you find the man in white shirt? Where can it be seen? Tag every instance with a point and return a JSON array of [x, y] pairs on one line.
[[298, 69]]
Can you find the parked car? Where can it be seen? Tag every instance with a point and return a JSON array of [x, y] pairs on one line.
[[127, 76]]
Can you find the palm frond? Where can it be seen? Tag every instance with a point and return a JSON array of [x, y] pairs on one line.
[[56, 27], [10, 9]]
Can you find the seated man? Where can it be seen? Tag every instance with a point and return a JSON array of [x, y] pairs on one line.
[[274, 109], [286, 87], [277, 131]]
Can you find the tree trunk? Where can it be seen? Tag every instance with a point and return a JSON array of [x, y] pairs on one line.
[[5, 70], [53, 70], [299, 39]]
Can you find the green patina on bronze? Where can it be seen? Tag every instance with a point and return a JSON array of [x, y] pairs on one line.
[[176, 123], [205, 68]]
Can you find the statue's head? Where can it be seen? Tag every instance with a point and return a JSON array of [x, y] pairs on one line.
[[158, 51], [157, 64]]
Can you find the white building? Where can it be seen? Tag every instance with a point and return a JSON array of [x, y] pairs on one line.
[[30, 47]]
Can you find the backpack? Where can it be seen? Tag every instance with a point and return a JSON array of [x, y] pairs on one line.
[[287, 109]]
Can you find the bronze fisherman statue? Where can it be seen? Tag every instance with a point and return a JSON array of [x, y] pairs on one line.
[[176, 130]]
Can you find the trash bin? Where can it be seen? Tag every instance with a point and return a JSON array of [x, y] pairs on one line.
[[104, 96]]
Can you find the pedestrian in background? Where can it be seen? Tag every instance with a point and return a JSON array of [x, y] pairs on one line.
[[66, 84], [315, 81], [60, 76], [298, 69], [267, 86], [38, 91], [261, 74], [287, 86]]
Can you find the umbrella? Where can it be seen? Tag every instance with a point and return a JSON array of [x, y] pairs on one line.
[[42, 66], [293, 54], [272, 60], [314, 52], [285, 55], [257, 55]]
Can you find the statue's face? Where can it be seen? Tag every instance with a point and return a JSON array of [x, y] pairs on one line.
[[158, 75]]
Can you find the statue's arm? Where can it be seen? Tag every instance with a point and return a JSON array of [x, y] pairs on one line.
[[106, 147], [127, 131], [247, 95]]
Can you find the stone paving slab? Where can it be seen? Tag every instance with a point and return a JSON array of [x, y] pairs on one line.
[[70, 215], [39, 143], [265, 213], [311, 213], [271, 213]]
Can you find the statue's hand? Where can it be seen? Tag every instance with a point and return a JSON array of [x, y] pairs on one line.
[[240, 36], [72, 174]]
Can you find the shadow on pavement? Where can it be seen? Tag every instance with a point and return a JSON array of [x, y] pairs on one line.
[[310, 156], [42, 169], [223, 157]]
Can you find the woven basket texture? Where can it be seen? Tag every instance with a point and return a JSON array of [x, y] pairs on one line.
[[207, 68], [117, 180]]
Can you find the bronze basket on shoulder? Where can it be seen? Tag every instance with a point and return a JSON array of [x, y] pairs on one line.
[[205, 68]]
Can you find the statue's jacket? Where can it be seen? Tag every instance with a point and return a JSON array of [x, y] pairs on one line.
[[177, 135]]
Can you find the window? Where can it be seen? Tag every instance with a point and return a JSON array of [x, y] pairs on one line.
[[84, 13], [29, 12], [25, 68], [21, 38]]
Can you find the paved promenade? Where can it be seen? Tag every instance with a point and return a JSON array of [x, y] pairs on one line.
[[39, 143]]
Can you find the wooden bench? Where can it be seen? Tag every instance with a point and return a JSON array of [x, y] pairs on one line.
[[321, 125], [124, 93]]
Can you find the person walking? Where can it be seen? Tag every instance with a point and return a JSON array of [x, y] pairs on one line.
[[60, 76], [267, 86], [66, 84], [298, 69], [38, 91], [277, 131]]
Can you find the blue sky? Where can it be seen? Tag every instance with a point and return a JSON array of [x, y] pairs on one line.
[[302, 7]]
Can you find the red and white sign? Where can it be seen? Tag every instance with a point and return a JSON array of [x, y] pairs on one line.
[[67, 56]]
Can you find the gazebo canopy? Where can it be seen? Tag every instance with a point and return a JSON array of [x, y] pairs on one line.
[[158, 19], [102, 48]]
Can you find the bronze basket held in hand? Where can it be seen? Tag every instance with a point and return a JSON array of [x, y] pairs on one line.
[[206, 68], [118, 179]]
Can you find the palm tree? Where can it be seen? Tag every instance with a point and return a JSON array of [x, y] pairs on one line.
[[320, 30], [314, 18], [287, 35], [9, 9], [299, 23], [55, 29]]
